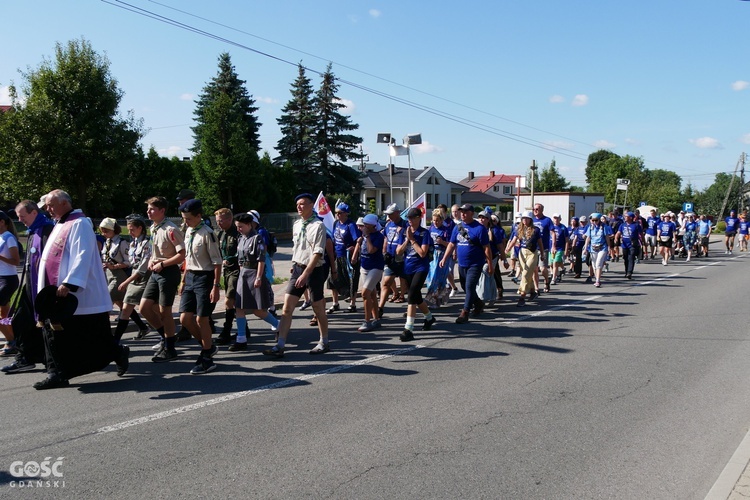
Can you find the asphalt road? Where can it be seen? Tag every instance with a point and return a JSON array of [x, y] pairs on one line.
[[637, 390]]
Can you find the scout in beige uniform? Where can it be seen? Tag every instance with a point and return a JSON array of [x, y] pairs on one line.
[[167, 253], [307, 272], [201, 282]]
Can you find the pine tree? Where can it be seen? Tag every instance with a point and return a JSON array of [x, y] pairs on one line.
[[297, 122], [226, 166], [334, 145]]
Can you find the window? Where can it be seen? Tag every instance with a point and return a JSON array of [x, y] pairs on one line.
[[496, 188], [507, 189], [437, 199], [429, 180], [453, 199], [437, 181], [429, 201], [382, 201]]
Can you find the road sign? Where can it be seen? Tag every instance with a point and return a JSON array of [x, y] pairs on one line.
[[642, 204], [687, 206], [623, 181]]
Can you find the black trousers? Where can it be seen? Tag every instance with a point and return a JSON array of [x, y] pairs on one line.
[[85, 345]]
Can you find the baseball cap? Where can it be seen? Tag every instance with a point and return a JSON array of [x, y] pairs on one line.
[[528, 214], [556, 216], [630, 214], [390, 209], [185, 194], [342, 207], [467, 207], [108, 223]]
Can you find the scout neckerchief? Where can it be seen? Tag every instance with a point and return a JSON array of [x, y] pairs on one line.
[[54, 257]]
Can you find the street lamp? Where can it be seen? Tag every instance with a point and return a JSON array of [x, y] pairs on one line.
[[393, 150]]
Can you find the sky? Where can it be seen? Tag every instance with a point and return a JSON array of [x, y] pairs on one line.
[[490, 86]]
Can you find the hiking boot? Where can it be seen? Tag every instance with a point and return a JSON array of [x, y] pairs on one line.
[[123, 361]]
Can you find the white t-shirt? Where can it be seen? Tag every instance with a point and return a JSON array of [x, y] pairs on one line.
[[7, 241]]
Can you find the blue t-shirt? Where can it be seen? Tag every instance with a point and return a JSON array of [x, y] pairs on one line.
[[344, 236], [598, 234], [580, 234], [469, 240], [667, 228], [732, 224], [373, 260], [561, 234], [652, 222], [545, 226], [413, 263], [744, 226], [441, 232], [393, 237], [498, 236], [704, 227], [631, 234]]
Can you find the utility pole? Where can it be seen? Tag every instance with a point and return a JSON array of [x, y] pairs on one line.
[[741, 204], [533, 168], [741, 161]]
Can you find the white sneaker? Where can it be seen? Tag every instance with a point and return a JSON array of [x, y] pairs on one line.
[[158, 346], [453, 293], [687, 260]]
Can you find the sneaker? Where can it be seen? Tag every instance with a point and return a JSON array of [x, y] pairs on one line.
[[406, 335], [365, 327], [214, 349], [352, 308], [142, 333], [123, 361], [477, 311], [305, 305], [273, 313], [597, 284], [589, 280], [10, 349], [158, 347], [606, 267], [183, 335], [51, 382], [275, 351], [18, 366], [165, 355], [380, 312], [375, 323], [687, 260], [731, 253], [427, 325], [516, 281], [203, 365], [333, 309], [726, 252], [521, 302], [533, 295], [320, 349], [238, 346], [453, 293]]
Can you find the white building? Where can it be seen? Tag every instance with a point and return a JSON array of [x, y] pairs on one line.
[[563, 203]]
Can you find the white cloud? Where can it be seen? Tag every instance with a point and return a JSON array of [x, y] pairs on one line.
[[426, 147], [632, 142], [266, 100], [348, 106], [353, 18], [186, 97], [580, 100], [706, 143], [173, 151], [556, 99], [745, 139], [604, 144], [374, 13], [740, 85], [4, 95]]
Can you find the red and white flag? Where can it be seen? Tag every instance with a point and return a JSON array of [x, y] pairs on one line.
[[324, 211], [421, 204]]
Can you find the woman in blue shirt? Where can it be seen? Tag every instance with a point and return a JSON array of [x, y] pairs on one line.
[[438, 288], [369, 253], [598, 242], [665, 231], [416, 251], [690, 237]]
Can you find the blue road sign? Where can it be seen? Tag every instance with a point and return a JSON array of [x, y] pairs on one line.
[[687, 206]]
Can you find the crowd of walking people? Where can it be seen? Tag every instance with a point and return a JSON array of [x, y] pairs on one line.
[[72, 277]]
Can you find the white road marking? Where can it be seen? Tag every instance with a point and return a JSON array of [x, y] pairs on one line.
[[242, 394]]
